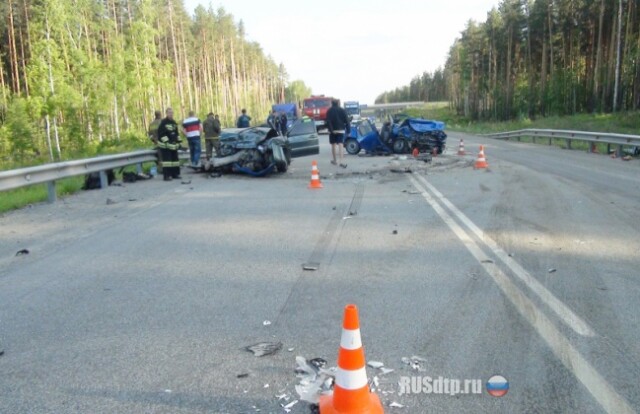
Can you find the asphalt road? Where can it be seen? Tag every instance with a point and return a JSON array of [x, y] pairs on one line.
[[527, 270]]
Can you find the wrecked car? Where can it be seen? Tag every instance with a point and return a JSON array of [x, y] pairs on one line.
[[365, 136], [408, 134], [259, 151]]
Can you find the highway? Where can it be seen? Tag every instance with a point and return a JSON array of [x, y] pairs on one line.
[[529, 270]]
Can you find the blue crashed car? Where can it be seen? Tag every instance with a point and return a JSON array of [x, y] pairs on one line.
[[397, 137]]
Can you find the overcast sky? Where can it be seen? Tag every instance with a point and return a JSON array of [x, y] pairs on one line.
[[354, 49]]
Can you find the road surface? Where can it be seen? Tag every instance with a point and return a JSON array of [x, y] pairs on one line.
[[528, 270]]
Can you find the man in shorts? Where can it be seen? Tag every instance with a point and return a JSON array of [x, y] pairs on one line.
[[338, 125]]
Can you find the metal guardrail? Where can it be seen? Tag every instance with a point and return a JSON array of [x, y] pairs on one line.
[[621, 140], [49, 173]]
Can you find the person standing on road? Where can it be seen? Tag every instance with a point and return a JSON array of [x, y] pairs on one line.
[[193, 131], [338, 125], [169, 143], [244, 120], [283, 123], [153, 135], [211, 134]]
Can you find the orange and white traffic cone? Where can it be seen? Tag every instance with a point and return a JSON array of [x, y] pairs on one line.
[[481, 162], [461, 148], [315, 176], [351, 393]]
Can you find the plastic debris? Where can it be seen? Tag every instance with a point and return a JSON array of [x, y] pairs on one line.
[[288, 407], [266, 323], [186, 182], [414, 362], [168, 391], [243, 375], [487, 261], [375, 364], [22, 252], [385, 371], [552, 270], [396, 405], [290, 349], [110, 202], [313, 266], [266, 386], [264, 348], [394, 232], [314, 379], [347, 217]]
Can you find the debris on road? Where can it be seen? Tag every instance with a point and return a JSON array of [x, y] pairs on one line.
[[22, 252], [552, 270], [243, 375], [394, 232], [288, 407], [487, 261], [375, 364], [396, 405], [110, 202], [266, 386], [290, 349], [314, 379], [266, 323], [414, 362], [385, 371], [311, 266], [186, 182], [407, 170], [264, 348]]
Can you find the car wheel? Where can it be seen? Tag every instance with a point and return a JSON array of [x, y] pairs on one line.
[[352, 146], [400, 146], [282, 167]]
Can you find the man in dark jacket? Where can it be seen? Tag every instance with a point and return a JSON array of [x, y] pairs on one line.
[[212, 131], [244, 120], [338, 125], [169, 143]]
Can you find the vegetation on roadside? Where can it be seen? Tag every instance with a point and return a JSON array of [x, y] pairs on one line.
[[533, 59]]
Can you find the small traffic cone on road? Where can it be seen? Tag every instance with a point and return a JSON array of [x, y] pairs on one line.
[[481, 162], [461, 148], [351, 393], [315, 176]]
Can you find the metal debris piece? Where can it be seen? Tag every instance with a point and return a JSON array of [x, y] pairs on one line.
[[266, 323], [22, 252], [264, 348], [110, 202], [385, 371], [419, 359], [487, 261], [287, 408], [396, 405], [375, 364], [552, 270], [311, 266], [281, 396], [318, 362], [405, 360], [243, 375], [405, 171]]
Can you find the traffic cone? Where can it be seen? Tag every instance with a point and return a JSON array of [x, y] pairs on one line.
[[315, 176], [461, 148], [481, 162], [351, 393]]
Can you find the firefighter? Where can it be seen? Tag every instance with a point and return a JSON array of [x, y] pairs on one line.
[[169, 143]]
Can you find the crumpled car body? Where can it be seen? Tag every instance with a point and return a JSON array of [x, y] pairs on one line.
[[423, 134], [364, 136], [259, 151]]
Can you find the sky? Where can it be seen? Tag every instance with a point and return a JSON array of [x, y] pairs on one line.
[[354, 49]]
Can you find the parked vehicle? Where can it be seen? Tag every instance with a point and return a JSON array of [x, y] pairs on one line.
[[352, 108], [316, 108], [289, 109], [259, 151]]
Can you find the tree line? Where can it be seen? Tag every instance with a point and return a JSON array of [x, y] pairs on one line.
[[79, 74], [533, 58]]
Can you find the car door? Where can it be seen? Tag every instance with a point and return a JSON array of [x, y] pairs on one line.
[[303, 138]]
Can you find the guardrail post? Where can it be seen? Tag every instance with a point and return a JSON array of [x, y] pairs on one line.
[[550, 141], [139, 168], [533, 138], [608, 149], [52, 196], [104, 182], [568, 144], [620, 151]]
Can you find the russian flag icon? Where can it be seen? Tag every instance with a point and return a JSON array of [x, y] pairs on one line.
[[497, 386]]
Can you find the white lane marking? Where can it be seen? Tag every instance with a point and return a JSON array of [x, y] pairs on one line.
[[564, 313], [609, 399]]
